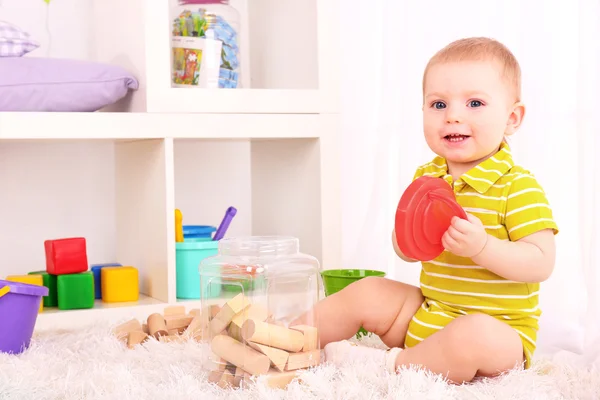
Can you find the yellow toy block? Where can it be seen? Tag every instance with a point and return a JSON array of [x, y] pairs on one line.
[[120, 284], [30, 279]]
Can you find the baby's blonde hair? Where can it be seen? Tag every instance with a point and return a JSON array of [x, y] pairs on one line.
[[481, 49]]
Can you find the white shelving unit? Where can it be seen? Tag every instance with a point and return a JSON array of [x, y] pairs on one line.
[[116, 176]]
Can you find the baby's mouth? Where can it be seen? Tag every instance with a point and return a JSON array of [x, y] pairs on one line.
[[455, 137]]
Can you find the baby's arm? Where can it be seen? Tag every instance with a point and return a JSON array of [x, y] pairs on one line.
[[397, 249], [530, 259], [529, 255]]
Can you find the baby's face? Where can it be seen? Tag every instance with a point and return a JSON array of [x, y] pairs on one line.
[[466, 110]]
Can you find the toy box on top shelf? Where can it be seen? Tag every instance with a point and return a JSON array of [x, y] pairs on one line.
[[224, 56], [259, 294]]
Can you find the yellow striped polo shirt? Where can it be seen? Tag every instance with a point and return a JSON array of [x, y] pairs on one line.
[[511, 205]]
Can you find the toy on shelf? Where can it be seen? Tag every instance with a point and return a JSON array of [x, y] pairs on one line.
[[66, 256], [19, 308], [193, 244], [424, 213], [178, 225], [120, 284], [96, 270], [51, 282], [29, 279], [229, 214], [76, 291]]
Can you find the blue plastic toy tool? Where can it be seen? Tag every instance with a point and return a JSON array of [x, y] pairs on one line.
[[229, 214]]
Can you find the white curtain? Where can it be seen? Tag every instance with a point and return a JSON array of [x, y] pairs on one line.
[[385, 47]]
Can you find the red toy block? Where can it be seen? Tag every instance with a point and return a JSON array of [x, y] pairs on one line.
[[66, 256]]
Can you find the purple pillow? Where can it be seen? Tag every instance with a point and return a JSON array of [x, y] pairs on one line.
[[52, 84]]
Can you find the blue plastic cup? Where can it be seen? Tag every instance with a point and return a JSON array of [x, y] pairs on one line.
[[197, 233], [188, 256]]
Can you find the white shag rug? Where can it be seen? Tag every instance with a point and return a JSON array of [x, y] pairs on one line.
[[92, 364]]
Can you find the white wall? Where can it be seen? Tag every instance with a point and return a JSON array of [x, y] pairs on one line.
[[211, 176], [62, 28]]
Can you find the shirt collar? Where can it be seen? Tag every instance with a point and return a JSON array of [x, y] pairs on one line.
[[482, 176]]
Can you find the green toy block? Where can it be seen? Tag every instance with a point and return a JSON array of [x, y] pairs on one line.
[[50, 282], [76, 291]]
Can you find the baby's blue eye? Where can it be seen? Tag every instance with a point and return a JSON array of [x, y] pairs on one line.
[[438, 105], [475, 103]]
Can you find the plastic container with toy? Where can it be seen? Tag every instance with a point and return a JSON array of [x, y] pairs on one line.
[[266, 284], [19, 307], [205, 41]]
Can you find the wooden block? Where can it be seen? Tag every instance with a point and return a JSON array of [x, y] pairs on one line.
[[310, 336], [239, 355], [278, 357], [272, 335], [195, 324], [136, 337], [123, 330], [174, 310], [222, 319], [273, 321], [278, 380], [178, 321], [195, 312], [214, 310], [157, 325], [303, 360], [254, 311]]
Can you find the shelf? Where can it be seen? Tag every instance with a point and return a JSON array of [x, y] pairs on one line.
[[52, 317], [127, 126]]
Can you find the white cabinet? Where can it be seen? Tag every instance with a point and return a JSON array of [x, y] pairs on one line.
[[116, 176]]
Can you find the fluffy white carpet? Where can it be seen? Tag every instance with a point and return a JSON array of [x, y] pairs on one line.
[[92, 364]]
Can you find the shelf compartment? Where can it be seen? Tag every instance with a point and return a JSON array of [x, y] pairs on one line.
[[113, 193], [291, 46]]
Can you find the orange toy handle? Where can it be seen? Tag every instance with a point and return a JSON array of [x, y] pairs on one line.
[[4, 290]]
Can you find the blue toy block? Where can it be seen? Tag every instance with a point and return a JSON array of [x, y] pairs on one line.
[[96, 270]]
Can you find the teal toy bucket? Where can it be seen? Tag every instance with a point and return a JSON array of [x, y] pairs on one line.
[[188, 256], [19, 307]]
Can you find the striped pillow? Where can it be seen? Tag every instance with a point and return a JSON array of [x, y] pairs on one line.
[[14, 42]]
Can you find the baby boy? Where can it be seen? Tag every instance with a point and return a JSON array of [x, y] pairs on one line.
[[476, 311]]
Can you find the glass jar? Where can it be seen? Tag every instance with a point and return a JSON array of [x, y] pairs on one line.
[[205, 44], [258, 295]]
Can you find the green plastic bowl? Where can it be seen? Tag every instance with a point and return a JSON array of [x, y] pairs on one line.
[[335, 280]]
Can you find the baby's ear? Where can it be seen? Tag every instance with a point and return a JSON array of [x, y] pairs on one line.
[[515, 118]]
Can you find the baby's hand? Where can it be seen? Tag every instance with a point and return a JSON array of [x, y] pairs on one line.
[[465, 238]]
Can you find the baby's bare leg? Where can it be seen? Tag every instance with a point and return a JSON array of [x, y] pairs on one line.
[[379, 305], [469, 346]]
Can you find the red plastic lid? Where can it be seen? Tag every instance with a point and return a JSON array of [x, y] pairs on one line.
[[423, 216]]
